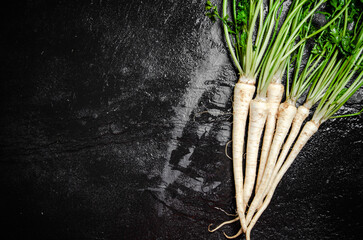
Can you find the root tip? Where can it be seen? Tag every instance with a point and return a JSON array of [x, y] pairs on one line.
[[222, 224], [234, 236], [209, 230]]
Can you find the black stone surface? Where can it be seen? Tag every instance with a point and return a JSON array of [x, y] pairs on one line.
[[114, 118]]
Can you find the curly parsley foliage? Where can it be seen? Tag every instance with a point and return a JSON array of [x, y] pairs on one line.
[[237, 27], [341, 33], [242, 13], [212, 13]]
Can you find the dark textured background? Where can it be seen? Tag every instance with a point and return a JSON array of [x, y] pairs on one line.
[[114, 118]]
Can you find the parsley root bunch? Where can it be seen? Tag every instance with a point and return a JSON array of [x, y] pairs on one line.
[[263, 53]]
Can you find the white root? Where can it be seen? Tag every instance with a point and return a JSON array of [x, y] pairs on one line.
[[285, 117], [226, 148], [243, 93], [234, 236], [228, 214], [274, 96], [308, 131], [257, 119], [301, 114], [222, 224]]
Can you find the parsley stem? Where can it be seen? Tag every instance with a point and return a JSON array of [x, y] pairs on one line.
[[228, 40]]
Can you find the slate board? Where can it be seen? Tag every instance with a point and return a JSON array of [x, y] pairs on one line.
[[114, 119]]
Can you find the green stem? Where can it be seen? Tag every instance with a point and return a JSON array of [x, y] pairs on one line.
[[228, 40], [315, 33], [348, 115]]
